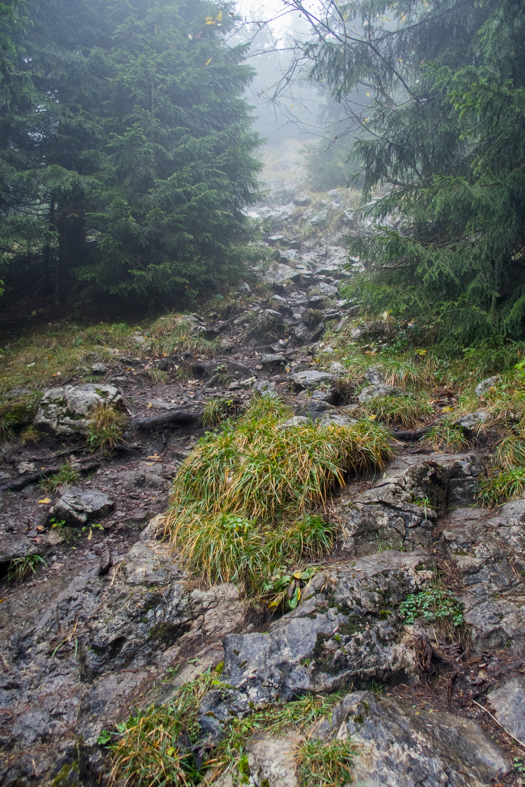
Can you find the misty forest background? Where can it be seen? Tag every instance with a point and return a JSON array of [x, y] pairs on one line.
[[130, 134]]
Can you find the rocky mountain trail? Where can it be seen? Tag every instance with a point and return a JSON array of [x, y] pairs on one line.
[[110, 621]]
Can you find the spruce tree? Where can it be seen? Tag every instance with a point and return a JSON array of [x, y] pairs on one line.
[[178, 168], [136, 146], [443, 138]]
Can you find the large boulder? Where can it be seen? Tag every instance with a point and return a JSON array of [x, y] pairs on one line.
[[347, 628], [488, 553], [68, 410], [401, 510], [400, 746]]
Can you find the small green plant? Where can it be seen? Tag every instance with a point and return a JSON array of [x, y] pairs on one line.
[[30, 434], [519, 767], [434, 605], [66, 475], [105, 428], [425, 504], [21, 567], [57, 524], [325, 763], [286, 589], [376, 688]]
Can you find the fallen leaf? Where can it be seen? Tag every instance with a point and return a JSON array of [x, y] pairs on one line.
[[45, 500]]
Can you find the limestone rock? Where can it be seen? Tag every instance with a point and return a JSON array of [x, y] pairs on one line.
[[374, 391], [485, 385], [343, 630], [272, 760], [375, 329], [471, 421], [509, 703], [311, 378], [301, 199], [78, 506], [400, 511], [488, 553], [402, 747], [67, 410], [15, 546]]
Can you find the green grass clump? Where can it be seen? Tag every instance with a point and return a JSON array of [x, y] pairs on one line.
[[154, 747], [66, 475], [325, 763], [447, 436], [406, 411], [217, 410], [241, 500], [179, 333], [503, 486], [22, 567], [105, 427]]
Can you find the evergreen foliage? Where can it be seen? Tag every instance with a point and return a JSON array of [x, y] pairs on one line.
[[126, 150], [443, 139]]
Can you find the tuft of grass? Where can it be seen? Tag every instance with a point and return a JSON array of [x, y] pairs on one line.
[[66, 475], [325, 763], [510, 451], [21, 567], [447, 436], [17, 414], [217, 410], [405, 411], [274, 720], [157, 746], [241, 500], [157, 376], [153, 747], [503, 486], [30, 434], [105, 428], [179, 334]]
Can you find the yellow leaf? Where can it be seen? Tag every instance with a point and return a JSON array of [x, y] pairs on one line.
[[298, 575], [372, 417], [90, 534], [149, 406], [209, 21], [447, 410], [45, 500], [219, 16], [208, 62], [368, 94]]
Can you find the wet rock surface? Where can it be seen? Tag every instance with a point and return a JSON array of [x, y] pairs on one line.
[[398, 745], [112, 621], [67, 411]]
